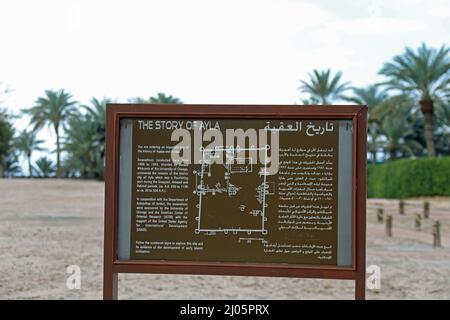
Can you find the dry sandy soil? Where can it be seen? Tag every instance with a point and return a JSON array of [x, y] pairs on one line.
[[46, 225]]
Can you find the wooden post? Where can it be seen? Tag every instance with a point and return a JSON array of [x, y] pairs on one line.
[[389, 225], [426, 209], [401, 207], [437, 234], [380, 215], [418, 222]]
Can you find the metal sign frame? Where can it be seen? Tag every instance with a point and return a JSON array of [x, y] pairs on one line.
[[113, 266]]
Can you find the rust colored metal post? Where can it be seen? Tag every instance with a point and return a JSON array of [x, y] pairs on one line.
[[110, 278], [360, 289], [361, 163]]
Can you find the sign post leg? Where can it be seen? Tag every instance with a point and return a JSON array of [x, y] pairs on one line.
[[110, 285], [360, 289]]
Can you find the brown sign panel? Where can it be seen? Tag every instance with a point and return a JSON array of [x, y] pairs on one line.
[[234, 211], [245, 190]]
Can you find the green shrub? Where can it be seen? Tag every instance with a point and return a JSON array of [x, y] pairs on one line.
[[409, 178]]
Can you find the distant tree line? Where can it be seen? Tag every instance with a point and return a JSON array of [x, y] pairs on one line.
[[79, 130], [409, 116], [409, 113]]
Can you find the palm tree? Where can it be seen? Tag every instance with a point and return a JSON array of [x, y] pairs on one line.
[[12, 166], [371, 96], [26, 142], [53, 110], [323, 86], [84, 152], [442, 134], [399, 134], [85, 140], [160, 98], [6, 138], [139, 100], [309, 101], [97, 112], [424, 75], [45, 167], [394, 109]]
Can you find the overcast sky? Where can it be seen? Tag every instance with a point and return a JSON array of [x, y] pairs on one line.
[[205, 51]]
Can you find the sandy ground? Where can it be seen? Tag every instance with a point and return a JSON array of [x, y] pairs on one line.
[[46, 225]]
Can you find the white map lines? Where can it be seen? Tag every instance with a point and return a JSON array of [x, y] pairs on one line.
[[233, 165]]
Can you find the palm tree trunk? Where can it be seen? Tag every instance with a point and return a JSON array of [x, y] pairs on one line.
[[29, 166], [374, 156], [427, 110], [392, 155], [58, 151]]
